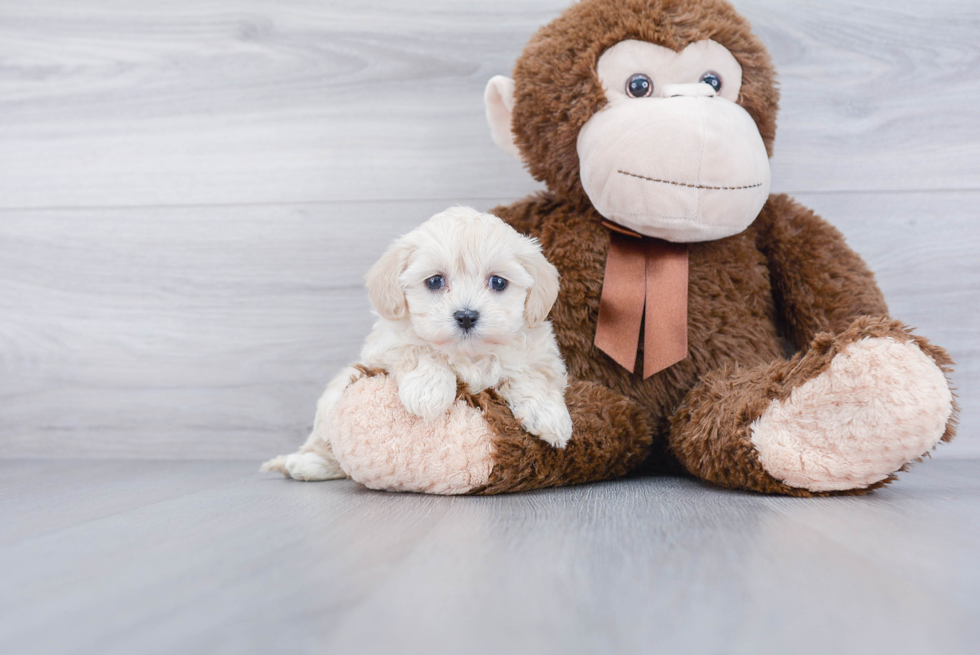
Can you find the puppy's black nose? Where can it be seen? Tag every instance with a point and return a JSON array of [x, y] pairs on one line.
[[466, 318]]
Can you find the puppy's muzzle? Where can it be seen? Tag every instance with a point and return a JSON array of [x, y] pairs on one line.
[[466, 318]]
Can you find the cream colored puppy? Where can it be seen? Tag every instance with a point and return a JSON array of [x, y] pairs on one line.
[[462, 297]]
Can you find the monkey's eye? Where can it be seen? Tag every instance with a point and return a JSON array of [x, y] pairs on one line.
[[713, 80], [435, 283], [639, 86], [497, 283]]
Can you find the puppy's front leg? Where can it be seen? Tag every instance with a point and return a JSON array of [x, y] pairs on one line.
[[540, 407], [428, 390]]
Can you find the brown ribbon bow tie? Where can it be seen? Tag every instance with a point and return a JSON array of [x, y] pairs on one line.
[[643, 271]]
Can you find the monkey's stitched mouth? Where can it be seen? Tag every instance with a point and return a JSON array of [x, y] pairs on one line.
[[691, 186]]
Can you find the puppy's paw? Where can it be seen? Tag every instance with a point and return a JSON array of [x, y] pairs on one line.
[[428, 394], [308, 467], [549, 422]]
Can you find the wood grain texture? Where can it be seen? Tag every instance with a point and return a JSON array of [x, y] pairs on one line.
[[210, 332], [188, 332], [38, 498], [258, 564], [110, 103], [190, 192]]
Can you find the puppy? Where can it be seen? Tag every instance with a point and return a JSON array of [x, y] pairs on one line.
[[462, 297]]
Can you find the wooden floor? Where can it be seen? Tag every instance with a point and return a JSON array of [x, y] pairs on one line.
[[212, 557]]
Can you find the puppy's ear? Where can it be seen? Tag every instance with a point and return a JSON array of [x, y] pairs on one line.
[[384, 287], [543, 293]]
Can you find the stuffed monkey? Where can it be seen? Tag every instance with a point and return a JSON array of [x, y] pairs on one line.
[[651, 123]]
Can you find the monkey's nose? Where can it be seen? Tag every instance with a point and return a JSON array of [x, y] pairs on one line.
[[466, 318], [688, 90]]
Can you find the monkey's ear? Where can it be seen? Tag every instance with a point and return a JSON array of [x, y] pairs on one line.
[[499, 99], [383, 283], [543, 293]]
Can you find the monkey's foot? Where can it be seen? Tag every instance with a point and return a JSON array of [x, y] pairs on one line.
[[840, 418], [881, 403]]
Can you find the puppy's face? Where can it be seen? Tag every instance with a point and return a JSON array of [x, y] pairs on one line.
[[465, 280]]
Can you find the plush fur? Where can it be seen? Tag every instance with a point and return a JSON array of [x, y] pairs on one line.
[[556, 74], [736, 412], [711, 431], [880, 403], [611, 439], [451, 458], [479, 447]]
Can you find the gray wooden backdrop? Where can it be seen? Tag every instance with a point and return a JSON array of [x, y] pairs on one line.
[[191, 191]]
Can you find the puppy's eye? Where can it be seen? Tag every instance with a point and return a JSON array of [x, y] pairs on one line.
[[435, 283], [497, 283], [713, 80], [639, 86]]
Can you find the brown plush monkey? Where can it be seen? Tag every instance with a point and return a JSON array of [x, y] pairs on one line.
[[651, 123]]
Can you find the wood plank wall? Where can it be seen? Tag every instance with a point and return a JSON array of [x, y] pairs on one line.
[[191, 191]]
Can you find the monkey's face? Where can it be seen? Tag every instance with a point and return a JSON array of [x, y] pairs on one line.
[[671, 155], [660, 114]]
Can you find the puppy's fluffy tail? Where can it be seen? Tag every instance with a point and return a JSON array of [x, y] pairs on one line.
[[275, 464]]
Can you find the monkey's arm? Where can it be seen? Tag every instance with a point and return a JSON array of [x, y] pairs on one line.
[[819, 283]]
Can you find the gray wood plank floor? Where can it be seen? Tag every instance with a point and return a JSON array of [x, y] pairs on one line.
[[211, 557]]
